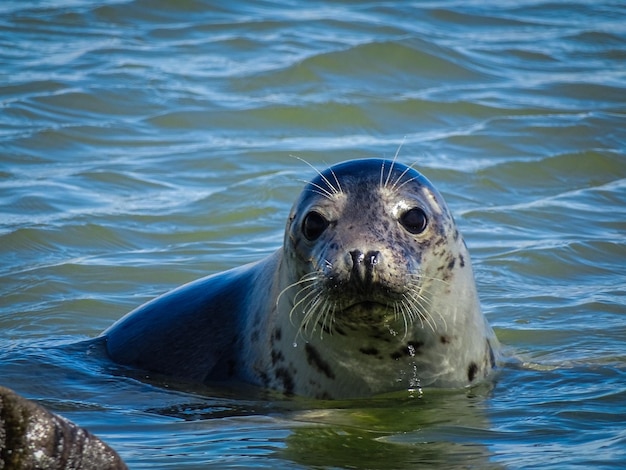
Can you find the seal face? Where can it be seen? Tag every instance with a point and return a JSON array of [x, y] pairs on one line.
[[372, 292]]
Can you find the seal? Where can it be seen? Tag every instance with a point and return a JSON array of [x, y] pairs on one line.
[[372, 292]]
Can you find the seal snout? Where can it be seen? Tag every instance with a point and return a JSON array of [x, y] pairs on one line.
[[362, 270]]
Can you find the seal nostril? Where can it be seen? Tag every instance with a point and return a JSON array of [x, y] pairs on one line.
[[357, 258], [372, 258]]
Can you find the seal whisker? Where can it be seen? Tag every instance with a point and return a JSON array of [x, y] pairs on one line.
[[332, 317], [393, 161], [312, 299], [421, 310], [313, 290], [409, 168], [424, 295], [404, 183], [394, 186], [328, 310], [390, 171], [303, 292], [426, 298], [400, 306], [310, 277], [318, 268], [307, 314], [333, 190], [339, 190], [382, 175], [424, 307], [313, 313], [322, 191], [413, 310], [312, 310], [416, 278], [429, 307]]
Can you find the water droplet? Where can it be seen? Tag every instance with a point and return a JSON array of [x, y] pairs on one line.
[[416, 391], [415, 384]]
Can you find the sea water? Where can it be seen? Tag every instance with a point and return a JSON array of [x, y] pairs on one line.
[[146, 144]]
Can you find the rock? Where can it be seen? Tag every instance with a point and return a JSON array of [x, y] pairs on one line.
[[33, 438]]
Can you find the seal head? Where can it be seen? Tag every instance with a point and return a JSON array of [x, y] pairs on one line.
[[384, 296]]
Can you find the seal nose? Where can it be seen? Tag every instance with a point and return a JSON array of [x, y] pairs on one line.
[[363, 265]]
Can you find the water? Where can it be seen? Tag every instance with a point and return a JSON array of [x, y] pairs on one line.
[[146, 144]]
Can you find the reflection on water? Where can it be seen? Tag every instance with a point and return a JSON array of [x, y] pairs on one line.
[[144, 145]]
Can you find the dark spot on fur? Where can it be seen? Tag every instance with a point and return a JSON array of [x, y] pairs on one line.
[[286, 378], [339, 331], [315, 360], [492, 356], [444, 339], [471, 371], [378, 335], [451, 263], [296, 242], [411, 349], [371, 351], [277, 356], [265, 380], [278, 334], [462, 261]]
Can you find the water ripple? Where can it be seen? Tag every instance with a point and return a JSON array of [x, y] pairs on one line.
[[145, 144]]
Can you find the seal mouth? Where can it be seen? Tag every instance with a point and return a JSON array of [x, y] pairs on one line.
[[378, 298], [365, 313], [366, 305], [367, 310]]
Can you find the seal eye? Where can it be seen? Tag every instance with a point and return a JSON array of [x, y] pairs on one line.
[[313, 225], [414, 220]]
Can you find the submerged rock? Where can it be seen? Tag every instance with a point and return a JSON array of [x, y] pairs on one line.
[[33, 438]]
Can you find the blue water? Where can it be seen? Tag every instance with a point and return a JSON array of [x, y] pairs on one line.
[[146, 144]]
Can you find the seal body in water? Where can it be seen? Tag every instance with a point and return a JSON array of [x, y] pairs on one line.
[[371, 292]]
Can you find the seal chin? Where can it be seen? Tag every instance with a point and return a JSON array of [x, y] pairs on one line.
[[366, 312], [368, 296], [366, 306]]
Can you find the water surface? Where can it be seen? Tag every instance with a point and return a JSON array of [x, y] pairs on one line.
[[146, 144]]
